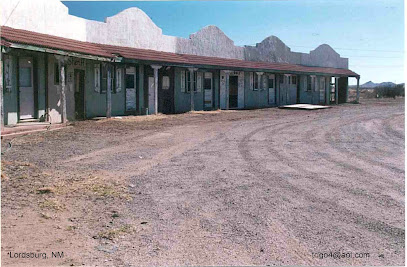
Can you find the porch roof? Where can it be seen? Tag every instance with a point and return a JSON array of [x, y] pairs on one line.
[[9, 36]]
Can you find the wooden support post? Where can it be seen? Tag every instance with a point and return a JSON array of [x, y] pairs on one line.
[[47, 115], [336, 90], [1, 90], [192, 87], [109, 92], [357, 89], [227, 85], [327, 89], [61, 64], [156, 68]]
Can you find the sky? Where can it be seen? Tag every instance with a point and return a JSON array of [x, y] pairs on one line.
[[368, 32]]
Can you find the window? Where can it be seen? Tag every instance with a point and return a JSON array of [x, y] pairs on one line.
[[189, 81], [256, 81], [309, 83], [104, 79], [271, 83], [281, 78], [294, 79], [166, 83], [118, 79], [96, 77], [207, 82], [130, 81]]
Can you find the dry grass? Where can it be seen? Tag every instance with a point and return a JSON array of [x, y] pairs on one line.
[[114, 233], [52, 204]]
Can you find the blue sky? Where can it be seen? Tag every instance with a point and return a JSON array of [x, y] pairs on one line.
[[369, 32]]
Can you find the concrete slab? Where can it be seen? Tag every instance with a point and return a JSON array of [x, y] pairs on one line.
[[305, 106]]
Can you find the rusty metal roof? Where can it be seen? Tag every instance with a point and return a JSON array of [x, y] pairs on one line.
[[11, 35]]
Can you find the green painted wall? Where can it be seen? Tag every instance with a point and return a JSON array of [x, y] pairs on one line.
[[182, 101], [10, 96], [95, 101], [254, 98]]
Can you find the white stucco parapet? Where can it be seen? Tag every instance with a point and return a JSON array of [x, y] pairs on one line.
[[133, 28]]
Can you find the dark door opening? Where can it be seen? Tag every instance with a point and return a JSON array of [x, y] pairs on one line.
[[233, 89], [79, 94], [166, 91]]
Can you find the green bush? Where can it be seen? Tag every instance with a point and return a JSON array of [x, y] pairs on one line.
[[387, 91]]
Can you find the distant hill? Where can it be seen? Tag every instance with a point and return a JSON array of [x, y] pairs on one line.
[[371, 85]]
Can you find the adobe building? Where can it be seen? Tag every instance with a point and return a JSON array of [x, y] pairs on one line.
[[57, 68]]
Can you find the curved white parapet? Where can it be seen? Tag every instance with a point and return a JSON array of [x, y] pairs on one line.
[[134, 28]]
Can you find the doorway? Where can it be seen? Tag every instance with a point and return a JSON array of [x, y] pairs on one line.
[[208, 91], [233, 91], [26, 88], [166, 90], [272, 89], [131, 98], [79, 94]]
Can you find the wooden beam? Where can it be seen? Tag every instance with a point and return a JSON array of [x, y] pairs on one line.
[[357, 89], [1, 89], [62, 52], [61, 64], [109, 92], [156, 68], [192, 87]]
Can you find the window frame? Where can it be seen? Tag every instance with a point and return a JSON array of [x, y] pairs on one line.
[[188, 81], [256, 81]]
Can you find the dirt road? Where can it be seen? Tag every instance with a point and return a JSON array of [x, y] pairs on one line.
[[259, 187]]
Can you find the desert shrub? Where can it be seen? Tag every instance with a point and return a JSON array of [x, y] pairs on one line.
[[387, 91]]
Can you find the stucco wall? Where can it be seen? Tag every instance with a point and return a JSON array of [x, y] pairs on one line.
[[133, 28]]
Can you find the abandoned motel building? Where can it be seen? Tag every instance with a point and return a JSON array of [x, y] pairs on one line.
[[67, 68]]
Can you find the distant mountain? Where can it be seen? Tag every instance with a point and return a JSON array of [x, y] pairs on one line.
[[371, 84]]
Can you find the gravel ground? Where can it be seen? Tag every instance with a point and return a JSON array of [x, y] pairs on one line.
[[255, 187]]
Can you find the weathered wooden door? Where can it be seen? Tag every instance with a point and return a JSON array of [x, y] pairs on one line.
[[208, 91], [26, 85], [292, 90], [233, 91], [272, 89], [130, 80], [79, 94], [282, 90]]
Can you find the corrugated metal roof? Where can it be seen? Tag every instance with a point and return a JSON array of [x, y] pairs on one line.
[[44, 40]]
